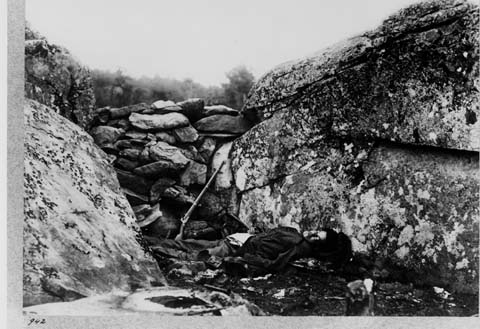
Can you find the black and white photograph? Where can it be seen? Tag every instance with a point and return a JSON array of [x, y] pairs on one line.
[[247, 159]]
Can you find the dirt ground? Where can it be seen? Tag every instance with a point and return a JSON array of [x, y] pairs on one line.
[[320, 292]]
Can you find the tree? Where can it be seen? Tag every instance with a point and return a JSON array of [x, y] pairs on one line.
[[240, 82]]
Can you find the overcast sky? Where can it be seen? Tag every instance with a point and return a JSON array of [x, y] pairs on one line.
[[201, 39]]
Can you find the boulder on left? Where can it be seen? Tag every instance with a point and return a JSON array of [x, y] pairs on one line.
[[80, 235], [55, 78]]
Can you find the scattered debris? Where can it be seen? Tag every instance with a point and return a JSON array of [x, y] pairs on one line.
[[206, 276], [360, 300], [292, 291], [215, 288], [280, 294], [266, 277], [442, 293]]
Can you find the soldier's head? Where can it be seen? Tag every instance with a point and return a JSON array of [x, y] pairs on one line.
[[329, 245]]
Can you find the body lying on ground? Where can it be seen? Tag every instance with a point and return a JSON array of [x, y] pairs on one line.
[[269, 251]]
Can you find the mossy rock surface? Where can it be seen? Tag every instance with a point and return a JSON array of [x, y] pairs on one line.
[[377, 136]]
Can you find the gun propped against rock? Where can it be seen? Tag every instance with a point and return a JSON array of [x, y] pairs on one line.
[[186, 217]]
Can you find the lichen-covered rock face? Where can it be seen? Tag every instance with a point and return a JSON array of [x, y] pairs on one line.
[[417, 209], [80, 236], [378, 137], [54, 78], [413, 80]]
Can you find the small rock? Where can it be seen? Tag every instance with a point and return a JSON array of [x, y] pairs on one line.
[[186, 134], [119, 123], [160, 104], [222, 123], [195, 173], [179, 273], [126, 164], [159, 187], [191, 152], [219, 109], [136, 134], [192, 108], [147, 214], [165, 137], [207, 148], [105, 134], [162, 151], [131, 154], [130, 143], [144, 156], [178, 194], [133, 182], [156, 122], [125, 111], [218, 136], [207, 276], [102, 114], [133, 198], [156, 169], [280, 294]]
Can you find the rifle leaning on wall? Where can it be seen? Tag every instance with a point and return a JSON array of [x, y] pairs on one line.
[[185, 218]]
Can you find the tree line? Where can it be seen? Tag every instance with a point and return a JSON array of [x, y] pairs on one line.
[[118, 89]]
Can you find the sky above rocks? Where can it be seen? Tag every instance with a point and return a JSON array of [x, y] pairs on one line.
[[201, 39]]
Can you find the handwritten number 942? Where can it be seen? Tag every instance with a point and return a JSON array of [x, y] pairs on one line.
[[36, 321]]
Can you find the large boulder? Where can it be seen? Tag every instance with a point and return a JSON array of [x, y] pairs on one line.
[[54, 78], [413, 80], [377, 136], [80, 236]]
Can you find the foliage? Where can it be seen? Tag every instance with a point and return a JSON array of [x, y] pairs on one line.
[[240, 82], [118, 89]]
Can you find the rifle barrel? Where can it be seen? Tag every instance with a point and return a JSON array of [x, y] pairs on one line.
[[186, 217]]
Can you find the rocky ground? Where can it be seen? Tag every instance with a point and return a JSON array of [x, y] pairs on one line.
[[315, 290]]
